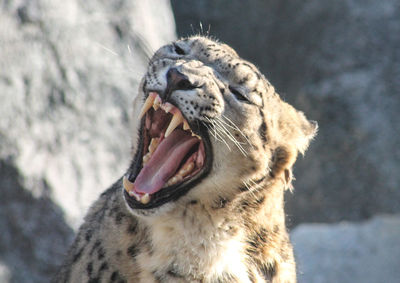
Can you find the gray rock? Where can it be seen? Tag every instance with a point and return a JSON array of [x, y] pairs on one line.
[[348, 252], [339, 61], [68, 73]]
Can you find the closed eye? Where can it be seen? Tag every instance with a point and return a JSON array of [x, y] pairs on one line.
[[178, 50], [238, 95]]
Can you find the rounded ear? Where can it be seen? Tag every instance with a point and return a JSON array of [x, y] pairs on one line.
[[295, 130], [293, 133]]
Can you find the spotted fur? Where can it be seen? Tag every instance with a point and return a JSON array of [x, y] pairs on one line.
[[230, 227]]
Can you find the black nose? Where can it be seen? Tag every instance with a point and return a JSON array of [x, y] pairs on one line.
[[177, 81]]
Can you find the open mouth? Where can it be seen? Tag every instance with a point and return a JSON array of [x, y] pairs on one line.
[[172, 157]]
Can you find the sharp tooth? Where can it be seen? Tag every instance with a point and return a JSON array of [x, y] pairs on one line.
[[153, 144], [145, 199], [177, 119], [135, 195], [187, 169], [147, 104], [146, 158], [167, 107], [157, 102], [177, 178], [197, 136], [186, 125], [128, 185]]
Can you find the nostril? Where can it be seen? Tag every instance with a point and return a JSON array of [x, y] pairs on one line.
[[178, 81], [185, 85]]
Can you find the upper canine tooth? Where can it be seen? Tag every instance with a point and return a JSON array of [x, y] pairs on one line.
[[147, 104], [128, 185], [177, 119]]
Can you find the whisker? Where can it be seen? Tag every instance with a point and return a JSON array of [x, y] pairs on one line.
[[231, 137], [107, 49], [237, 128], [250, 189], [216, 133]]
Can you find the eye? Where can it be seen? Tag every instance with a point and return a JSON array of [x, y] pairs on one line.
[[238, 95], [178, 50]]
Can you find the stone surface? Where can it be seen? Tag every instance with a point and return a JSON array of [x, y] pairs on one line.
[[338, 61], [366, 252], [68, 73]]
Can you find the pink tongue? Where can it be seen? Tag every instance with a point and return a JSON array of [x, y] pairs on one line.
[[164, 162]]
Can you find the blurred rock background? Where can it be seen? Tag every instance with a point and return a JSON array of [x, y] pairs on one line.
[[70, 69], [68, 73]]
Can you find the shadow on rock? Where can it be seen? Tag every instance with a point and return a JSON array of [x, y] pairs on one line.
[[34, 236]]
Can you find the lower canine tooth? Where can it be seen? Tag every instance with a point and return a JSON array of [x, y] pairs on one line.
[[145, 199]]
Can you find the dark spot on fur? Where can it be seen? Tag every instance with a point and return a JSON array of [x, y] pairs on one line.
[[174, 273], [89, 269], [262, 130], [114, 276], [221, 202], [253, 203], [260, 200], [258, 181], [119, 216], [100, 253], [77, 255], [95, 246], [103, 266], [132, 227], [268, 271], [243, 80], [94, 280], [257, 240], [193, 201], [132, 251], [88, 235], [276, 229], [243, 189]]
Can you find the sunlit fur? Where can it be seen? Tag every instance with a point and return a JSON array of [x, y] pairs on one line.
[[231, 226]]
